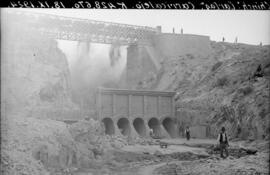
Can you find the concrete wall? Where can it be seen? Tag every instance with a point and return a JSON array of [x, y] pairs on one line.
[[198, 131], [148, 108], [171, 45]]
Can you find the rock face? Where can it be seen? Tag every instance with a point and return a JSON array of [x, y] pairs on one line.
[[34, 74], [35, 89], [219, 90], [31, 145], [38, 146], [35, 100]]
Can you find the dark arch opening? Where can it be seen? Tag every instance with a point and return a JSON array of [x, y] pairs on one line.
[[123, 125], [139, 126], [170, 127], [109, 127], [154, 124]]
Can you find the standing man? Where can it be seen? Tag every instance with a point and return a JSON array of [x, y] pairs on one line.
[[151, 133], [187, 132], [238, 129], [223, 142]]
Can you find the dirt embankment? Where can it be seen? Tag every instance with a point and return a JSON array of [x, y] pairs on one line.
[[35, 94], [220, 90], [44, 146]]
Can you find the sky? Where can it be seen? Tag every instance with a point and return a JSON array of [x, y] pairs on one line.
[[250, 27]]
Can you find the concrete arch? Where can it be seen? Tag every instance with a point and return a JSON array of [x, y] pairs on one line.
[[138, 124], [124, 126], [154, 124], [109, 126], [170, 127]]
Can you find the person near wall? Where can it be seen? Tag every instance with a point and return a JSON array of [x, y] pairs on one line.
[[223, 142], [238, 129], [151, 133], [187, 132], [121, 130]]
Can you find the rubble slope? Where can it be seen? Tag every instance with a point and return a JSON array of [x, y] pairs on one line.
[[220, 90]]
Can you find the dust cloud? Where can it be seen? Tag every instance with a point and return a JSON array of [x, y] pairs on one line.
[[93, 65]]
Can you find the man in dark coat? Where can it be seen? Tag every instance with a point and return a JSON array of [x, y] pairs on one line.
[[187, 132], [223, 142]]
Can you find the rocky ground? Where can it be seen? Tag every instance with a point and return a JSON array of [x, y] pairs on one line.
[[183, 162], [34, 146], [37, 146]]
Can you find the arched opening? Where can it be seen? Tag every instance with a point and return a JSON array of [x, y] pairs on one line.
[[109, 127], [154, 124], [123, 125], [139, 126], [170, 127]]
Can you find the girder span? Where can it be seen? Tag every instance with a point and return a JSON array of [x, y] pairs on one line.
[[75, 29]]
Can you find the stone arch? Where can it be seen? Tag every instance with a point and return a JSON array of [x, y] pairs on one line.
[[124, 126], [109, 126], [139, 126], [170, 126], [154, 124]]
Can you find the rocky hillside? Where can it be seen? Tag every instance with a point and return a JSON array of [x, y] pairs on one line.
[[34, 75], [220, 90], [35, 88]]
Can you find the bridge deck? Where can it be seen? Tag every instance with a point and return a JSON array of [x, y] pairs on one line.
[[75, 29]]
